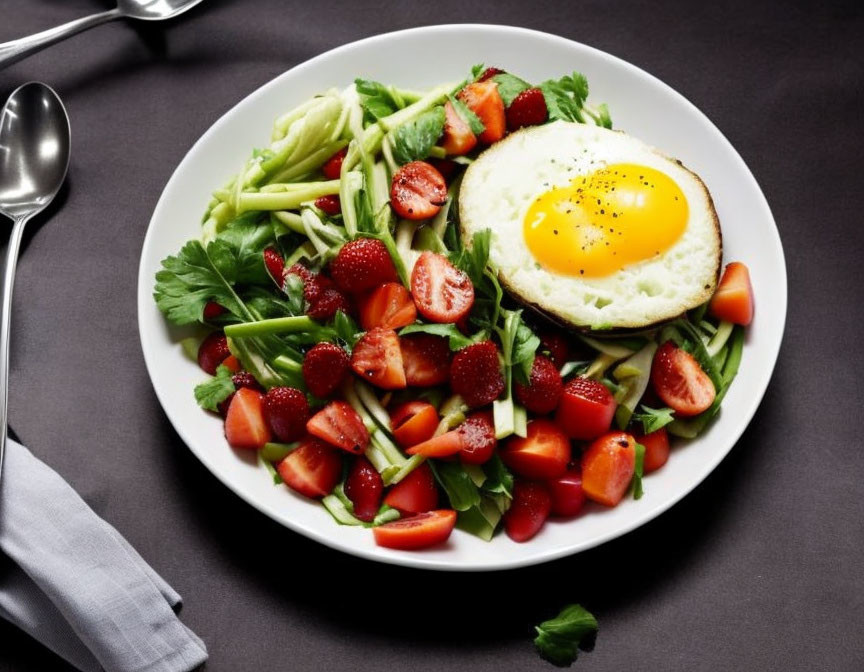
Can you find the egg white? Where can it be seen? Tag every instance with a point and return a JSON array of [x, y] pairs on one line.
[[498, 188]]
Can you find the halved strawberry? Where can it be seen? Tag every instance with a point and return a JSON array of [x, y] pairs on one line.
[[324, 368], [543, 391], [416, 493], [458, 138], [442, 293], [275, 264], [212, 310], [413, 422], [388, 306], [475, 374], [425, 359], [213, 351], [484, 100], [377, 359], [286, 411], [544, 453], [362, 264], [329, 205], [340, 425], [332, 168], [312, 469], [364, 487], [478, 438], [680, 381], [733, 300], [417, 191], [527, 109], [245, 426]]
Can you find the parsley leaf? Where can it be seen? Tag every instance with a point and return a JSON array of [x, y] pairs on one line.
[[566, 97], [499, 480], [376, 100], [654, 418], [414, 140], [467, 115], [524, 348], [509, 86], [473, 260], [216, 390], [559, 638], [477, 70], [638, 472], [458, 340], [246, 237]]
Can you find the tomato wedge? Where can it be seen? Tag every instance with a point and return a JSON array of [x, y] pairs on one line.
[[245, 426], [680, 382], [377, 359], [443, 445], [733, 300], [656, 449], [417, 191], [312, 469], [607, 467], [420, 531], [543, 454], [458, 138], [426, 359], [416, 493], [483, 99], [388, 306], [413, 422], [340, 425], [441, 291]]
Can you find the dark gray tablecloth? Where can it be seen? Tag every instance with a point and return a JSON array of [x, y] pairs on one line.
[[759, 568]]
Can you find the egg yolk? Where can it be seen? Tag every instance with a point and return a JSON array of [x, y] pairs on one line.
[[605, 220]]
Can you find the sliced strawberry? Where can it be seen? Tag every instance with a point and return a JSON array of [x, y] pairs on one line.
[[232, 364], [527, 109], [329, 205], [245, 426], [416, 493], [324, 369], [567, 494], [442, 445], [377, 359], [389, 306], [212, 310], [420, 531], [607, 467], [362, 264], [656, 449], [458, 138], [426, 359], [340, 425], [417, 191], [312, 469], [275, 264], [543, 390], [484, 100], [733, 300], [442, 293], [680, 382], [544, 453], [213, 351], [413, 422], [478, 438], [332, 168], [489, 73], [586, 408], [286, 411], [364, 488], [475, 374], [528, 511]]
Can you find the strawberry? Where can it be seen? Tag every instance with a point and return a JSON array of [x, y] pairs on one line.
[[245, 379], [364, 488], [528, 512], [489, 73], [232, 364], [303, 273], [446, 167], [543, 390], [330, 205], [340, 425], [417, 191], [332, 168], [458, 137], [313, 469], [275, 264], [212, 310], [425, 359], [484, 100], [212, 352], [478, 438], [286, 411], [324, 369], [475, 374], [377, 359], [527, 109], [322, 298], [556, 344], [362, 264], [245, 426]]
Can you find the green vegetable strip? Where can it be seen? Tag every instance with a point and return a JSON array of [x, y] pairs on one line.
[[370, 403], [290, 220], [310, 164], [724, 331], [287, 200], [278, 325]]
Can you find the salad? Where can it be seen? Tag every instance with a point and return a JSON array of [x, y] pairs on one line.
[[369, 354]]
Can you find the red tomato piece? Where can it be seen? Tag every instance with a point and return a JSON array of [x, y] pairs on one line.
[[608, 465], [567, 494], [478, 438], [680, 382], [416, 493], [528, 511], [733, 300], [458, 138], [340, 425], [245, 426], [413, 422], [377, 359], [420, 531], [417, 191], [543, 454], [312, 469], [426, 359], [441, 291], [442, 445], [586, 409], [364, 487], [483, 99], [388, 306], [656, 449]]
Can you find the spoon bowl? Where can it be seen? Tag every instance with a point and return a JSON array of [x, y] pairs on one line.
[[154, 10]]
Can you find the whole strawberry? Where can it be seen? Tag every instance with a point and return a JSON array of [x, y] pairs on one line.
[[212, 352], [362, 264], [527, 109], [543, 391], [475, 374], [324, 369], [275, 264], [286, 412]]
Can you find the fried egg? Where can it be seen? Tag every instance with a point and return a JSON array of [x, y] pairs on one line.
[[592, 227]]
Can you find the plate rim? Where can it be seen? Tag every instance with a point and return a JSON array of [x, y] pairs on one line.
[[420, 561]]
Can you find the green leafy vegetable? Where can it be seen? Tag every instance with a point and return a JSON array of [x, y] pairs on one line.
[[477, 70], [509, 86], [346, 328], [378, 101], [467, 115], [246, 237], [525, 347], [460, 489], [559, 638], [653, 419], [639, 471], [458, 340], [565, 98], [413, 141], [216, 390], [499, 480]]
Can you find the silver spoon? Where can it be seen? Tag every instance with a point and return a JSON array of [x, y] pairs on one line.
[[34, 156], [146, 10]]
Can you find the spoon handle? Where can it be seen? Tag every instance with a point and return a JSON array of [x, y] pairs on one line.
[[13, 51], [5, 321]]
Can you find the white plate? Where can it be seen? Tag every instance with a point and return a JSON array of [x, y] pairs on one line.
[[640, 105]]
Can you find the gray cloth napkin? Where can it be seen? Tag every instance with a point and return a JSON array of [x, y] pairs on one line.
[[69, 580]]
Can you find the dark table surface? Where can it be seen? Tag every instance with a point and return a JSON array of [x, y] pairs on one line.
[[759, 568]]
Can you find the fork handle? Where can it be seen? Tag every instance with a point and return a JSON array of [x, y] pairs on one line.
[[5, 320], [13, 51]]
